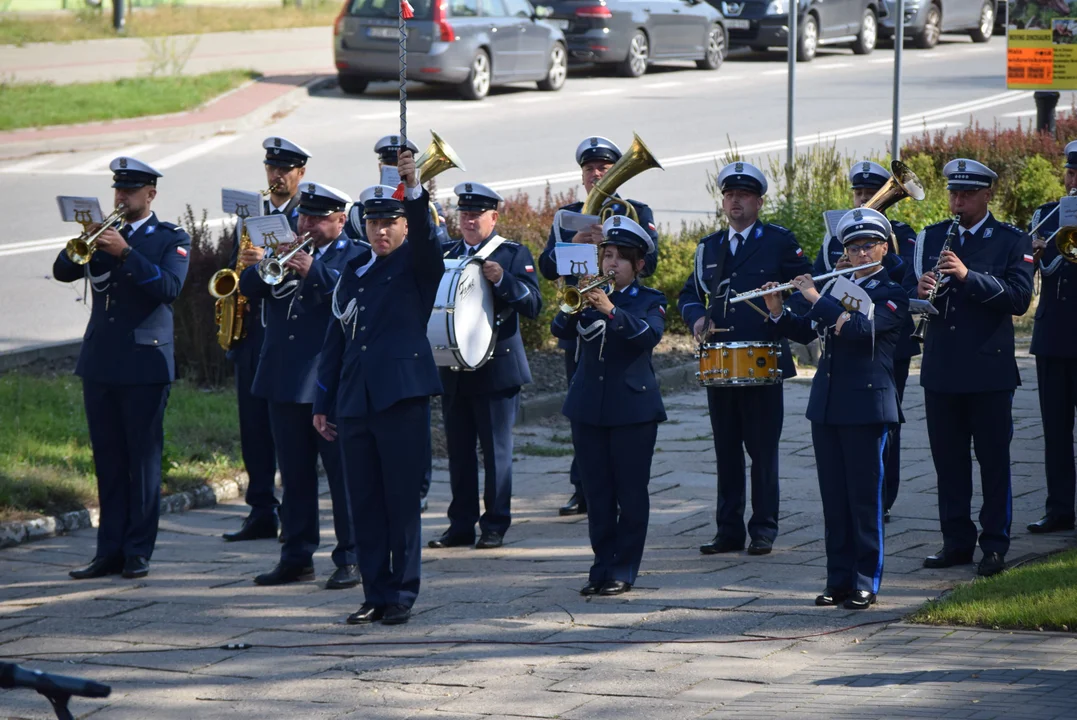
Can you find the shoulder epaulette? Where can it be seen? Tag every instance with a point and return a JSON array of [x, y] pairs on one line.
[[779, 227]]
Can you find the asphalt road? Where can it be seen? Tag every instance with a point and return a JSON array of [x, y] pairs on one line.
[[518, 139]]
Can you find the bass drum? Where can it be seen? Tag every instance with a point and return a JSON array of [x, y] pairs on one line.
[[461, 327]]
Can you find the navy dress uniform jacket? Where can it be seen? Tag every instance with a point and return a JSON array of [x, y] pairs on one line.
[[1055, 331], [969, 345], [614, 383], [296, 324], [770, 253], [357, 231], [128, 340], [517, 295]]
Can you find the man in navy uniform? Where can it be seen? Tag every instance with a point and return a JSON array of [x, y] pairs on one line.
[[285, 164], [127, 367], [867, 178], [297, 311], [969, 371], [738, 259], [481, 405], [853, 402], [1054, 343], [595, 156], [378, 372]]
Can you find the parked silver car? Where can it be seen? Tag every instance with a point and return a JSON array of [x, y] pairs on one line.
[[925, 20], [474, 44]]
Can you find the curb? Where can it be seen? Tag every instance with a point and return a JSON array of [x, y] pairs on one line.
[[259, 116], [12, 359]]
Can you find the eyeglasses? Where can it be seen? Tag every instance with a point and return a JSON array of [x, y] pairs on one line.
[[864, 249]]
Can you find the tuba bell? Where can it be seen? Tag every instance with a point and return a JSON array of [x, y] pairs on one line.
[[903, 183], [601, 199], [436, 159]]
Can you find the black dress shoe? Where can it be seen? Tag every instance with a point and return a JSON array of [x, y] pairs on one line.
[[1049, 525], [135, 567], [886, 516], [760, 547], [366, 614], [948, 558], [991, 564], [490, 540], [283, 537], [591, 588], [396, 615], [98, 567], [614, 587], [576, 505], [423, 504], [721, 545], [448, 540], [859, 600], [831, 596], [252, 529], [344, 577], [284, 574]]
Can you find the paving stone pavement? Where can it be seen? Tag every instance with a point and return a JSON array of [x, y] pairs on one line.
[[504, 633]]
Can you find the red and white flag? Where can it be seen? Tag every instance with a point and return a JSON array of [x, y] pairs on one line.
[[1029, 259], [182, 252], [800, 252], [892, 305], [529, 268]]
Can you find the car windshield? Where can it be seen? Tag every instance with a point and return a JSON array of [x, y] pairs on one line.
[[389, 8]]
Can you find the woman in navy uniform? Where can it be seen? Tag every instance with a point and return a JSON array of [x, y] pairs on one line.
[[285, 164], [615, 405], [297, 313], [853, 403], [969, 370], [595, 156], [378, 371], [481, 405], [741, 258], [1054, 343], [866, 178], [127, 367]]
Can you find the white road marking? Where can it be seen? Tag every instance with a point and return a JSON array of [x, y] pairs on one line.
[[830, 66], [781, 71], [889, 60], [926, 127], [667, 84], [529, 99], [377, 116], [194, 151], [720, 78], [28, 165], [100, 163], [603, 91], [1020, 114]]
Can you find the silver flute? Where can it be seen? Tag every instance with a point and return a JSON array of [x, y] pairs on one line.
[[789, 286]]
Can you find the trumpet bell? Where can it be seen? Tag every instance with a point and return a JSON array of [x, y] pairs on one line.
[[1066, 242], [79, 251], [571, 301], [271, 271], [225, 282], [437, 158]]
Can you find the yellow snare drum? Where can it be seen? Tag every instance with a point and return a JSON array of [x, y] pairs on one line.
[[739, 363]]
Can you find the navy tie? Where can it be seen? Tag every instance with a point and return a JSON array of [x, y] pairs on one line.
[[125, 232]]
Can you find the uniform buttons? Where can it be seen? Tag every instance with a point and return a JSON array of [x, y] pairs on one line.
[[362, 308], [1063, 297], [363, 348], [362, 289], [953, 328], [733, 275], [601, 377], [508, 350], [416, 355], [315, 284], [295, 317], [362, 329], [300, 297], [732, 310], [112, 319], [155, 341], [644, 387], [869, 386], [291, 337]]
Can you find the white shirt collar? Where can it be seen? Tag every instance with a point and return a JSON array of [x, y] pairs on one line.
[[369, 263], [861, 281], [975, 228], [139, 223], [746, 233], [280, 209]]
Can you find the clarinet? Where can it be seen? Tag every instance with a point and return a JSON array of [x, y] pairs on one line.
[[921, 325]]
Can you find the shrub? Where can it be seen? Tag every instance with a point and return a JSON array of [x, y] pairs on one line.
[[676, 261]]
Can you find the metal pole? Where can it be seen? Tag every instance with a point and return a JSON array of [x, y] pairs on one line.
[[790, 120], [117, 15], [899, 43], [403, 76]]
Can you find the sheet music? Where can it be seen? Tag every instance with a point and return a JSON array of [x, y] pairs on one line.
[[268, 231], [241, 203], [83, 210], [576, 259]]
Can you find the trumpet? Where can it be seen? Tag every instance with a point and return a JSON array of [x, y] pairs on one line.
[[570, 299], [271, 269], [760, 292], [1064, 237], [79, 250]]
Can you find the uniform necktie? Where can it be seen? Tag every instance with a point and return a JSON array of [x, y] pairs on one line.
[[276, 211], [125, 232], [965, 236], [734, 243]]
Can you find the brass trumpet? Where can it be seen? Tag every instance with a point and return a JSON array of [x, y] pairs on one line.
[[271, 269], [1064, 237], [570, 298], [79, 250]]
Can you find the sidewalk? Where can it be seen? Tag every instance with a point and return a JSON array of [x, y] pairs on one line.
[[707, 637]]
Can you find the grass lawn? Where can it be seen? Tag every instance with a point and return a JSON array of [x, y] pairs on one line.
[[65, 26], [46, 465], [41, 104], [1037, 596]]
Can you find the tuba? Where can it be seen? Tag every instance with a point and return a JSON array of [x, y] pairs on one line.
[[436, 159], [903, 183], [601, 199], [231, 305]]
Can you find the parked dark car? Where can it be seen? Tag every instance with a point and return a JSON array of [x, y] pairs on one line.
[[632, 34], [925, 20], [760, 24], [473, 44]]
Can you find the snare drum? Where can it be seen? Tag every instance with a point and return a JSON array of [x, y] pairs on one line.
[[461, 328], [739, 363]]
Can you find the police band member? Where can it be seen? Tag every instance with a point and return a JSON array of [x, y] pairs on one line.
[[285, 164], [297, 312], [615, 405], [595, 156], [1054, 343], [481, 405], [127, 367], [866, 178], [378, 371], [969, 371], [853, 402], [740, 258]]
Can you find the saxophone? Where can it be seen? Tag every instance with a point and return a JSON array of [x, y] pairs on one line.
[[231, 305]]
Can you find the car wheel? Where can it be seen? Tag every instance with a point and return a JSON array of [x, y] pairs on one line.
[[555, 78], [869, 34], [639, 53], [477, 84], [715, 52], [809, 39], [351, 85], [986, 29], [928, 37]]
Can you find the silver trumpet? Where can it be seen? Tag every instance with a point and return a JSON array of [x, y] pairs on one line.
[[271, 269], [789, 286]]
